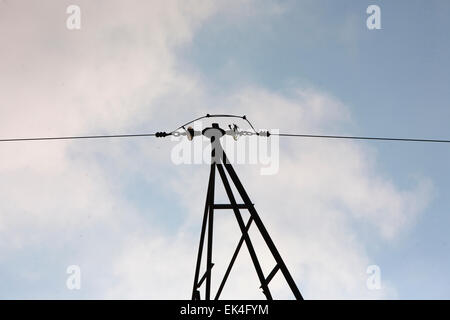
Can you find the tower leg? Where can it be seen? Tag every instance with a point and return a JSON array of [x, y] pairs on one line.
[[206, 216], [209, 263]]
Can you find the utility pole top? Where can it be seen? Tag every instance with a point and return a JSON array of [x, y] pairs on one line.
[[214, 132]]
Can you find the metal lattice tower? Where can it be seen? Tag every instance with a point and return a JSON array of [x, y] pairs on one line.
[[220, 162]]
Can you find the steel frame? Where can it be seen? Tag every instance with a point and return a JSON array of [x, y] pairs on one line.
[[221, 163]]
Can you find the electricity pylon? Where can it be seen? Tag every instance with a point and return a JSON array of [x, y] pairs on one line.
[[220, 162]]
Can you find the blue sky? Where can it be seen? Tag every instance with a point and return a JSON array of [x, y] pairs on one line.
[[396, 83], [300, 66]]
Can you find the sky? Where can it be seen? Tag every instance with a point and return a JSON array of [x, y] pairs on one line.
[[130, 217]]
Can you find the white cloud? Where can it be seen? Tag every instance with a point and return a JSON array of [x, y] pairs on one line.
[[120, 73]]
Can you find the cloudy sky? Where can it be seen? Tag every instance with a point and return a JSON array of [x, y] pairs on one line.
[[130, 217]]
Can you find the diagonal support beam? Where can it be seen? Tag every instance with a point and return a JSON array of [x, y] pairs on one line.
[[204, 276], [233, 259], [272, 274]]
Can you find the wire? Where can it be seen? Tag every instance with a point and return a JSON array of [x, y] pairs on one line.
[[217, 116], [79, 137], [182, 126], [262, 133], [359, 138], [272, 134]]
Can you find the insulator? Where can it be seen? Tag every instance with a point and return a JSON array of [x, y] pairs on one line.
[[236, 132], [190, 133], [161, 134]]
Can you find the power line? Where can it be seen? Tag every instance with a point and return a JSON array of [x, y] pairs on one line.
[[270, 134], [255, 132], [358, 138], [79, 137]]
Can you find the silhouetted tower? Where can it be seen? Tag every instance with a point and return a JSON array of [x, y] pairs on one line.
[[220, 162]]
